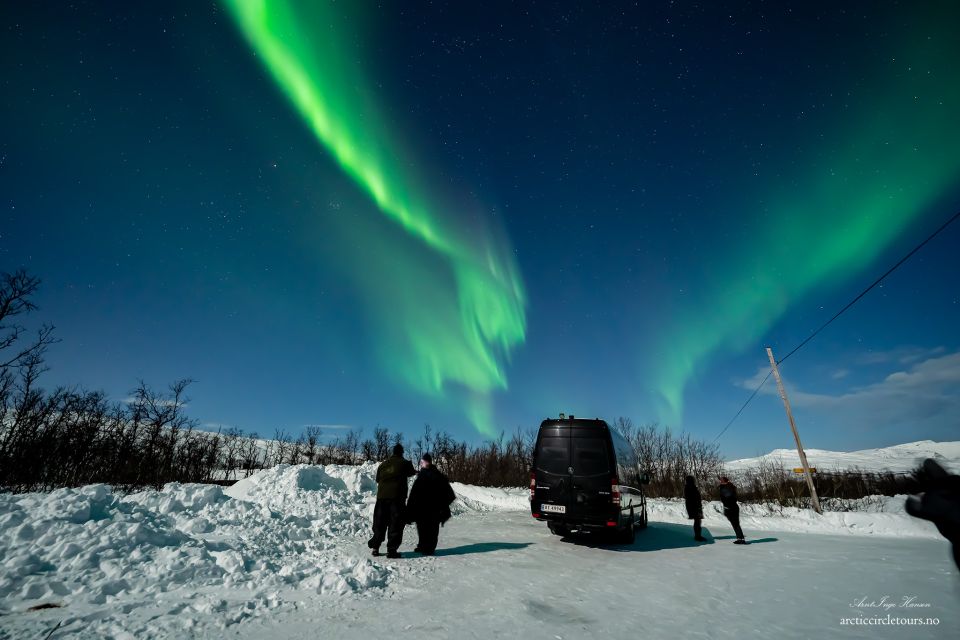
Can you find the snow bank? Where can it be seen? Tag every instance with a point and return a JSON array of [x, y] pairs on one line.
[[884, 516], [282, 528], [877, 516], [279, 530], [471, 498]]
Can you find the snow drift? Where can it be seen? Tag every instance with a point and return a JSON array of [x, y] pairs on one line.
[[282, 528], [89, 545]]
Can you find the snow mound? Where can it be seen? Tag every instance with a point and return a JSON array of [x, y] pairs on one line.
[[286, 481], [289, 527], [88, 544], [280, 529]]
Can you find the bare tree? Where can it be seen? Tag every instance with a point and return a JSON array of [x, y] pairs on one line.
[[253, 456], [231, 452], [368, 450], [310, 448], [381, 439], [16, 293], [295, 454], [281, 446], [669, 458], [351, 446]]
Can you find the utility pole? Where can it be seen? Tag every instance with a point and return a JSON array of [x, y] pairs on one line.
[[796, 434]]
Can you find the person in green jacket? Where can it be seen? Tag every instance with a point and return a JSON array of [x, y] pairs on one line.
[[388, 514]]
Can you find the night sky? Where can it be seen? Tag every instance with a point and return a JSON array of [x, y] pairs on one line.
[[480, 216]]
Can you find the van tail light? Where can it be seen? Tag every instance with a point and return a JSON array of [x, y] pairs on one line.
[[615, 491], [533, 486]]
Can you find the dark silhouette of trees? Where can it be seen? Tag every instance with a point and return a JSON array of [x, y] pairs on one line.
[[670, 458], [71, 437]]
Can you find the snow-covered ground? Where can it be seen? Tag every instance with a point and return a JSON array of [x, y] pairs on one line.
[[901, 458], [282, 555]]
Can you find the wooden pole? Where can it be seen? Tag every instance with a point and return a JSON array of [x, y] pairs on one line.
[[796, 434]]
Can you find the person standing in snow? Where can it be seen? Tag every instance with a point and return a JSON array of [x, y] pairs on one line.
[[388, 514], [429, 505], [691, 496], [728, 496], [939, 503]]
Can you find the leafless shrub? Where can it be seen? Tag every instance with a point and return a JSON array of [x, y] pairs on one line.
[[669, 458], [838, 490]]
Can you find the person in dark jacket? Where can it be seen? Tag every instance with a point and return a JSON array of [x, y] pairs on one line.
[[939, 503], [691, 496], [388, 513], [429, 505], [728, 496]]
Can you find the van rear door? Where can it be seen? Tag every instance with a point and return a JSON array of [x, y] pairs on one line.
[[553, 489], [593, 468]]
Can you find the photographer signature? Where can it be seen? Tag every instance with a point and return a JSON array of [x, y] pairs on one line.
[[886, 603]]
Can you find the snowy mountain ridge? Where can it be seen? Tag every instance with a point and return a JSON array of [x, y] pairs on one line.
[[901, 458]]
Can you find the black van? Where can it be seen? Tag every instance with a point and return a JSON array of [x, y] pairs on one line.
[[586, 476]]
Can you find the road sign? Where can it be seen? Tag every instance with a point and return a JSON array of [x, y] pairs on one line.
[[800, 469]]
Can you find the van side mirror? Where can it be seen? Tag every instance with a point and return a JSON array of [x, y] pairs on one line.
[[645, 478]]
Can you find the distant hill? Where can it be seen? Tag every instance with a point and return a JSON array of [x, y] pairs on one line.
[[899, 458]]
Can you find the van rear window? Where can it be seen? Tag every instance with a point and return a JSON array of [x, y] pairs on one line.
[[553, 455], [590, 456]]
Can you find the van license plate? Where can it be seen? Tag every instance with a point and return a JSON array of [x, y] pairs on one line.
[[553, 508]]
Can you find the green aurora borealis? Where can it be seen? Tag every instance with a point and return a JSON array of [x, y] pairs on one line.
[[877, 167], [435, 329], [350, 215], [881, 165]]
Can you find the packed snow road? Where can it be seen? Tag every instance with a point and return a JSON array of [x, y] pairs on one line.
[[502, 575], [282, 555]]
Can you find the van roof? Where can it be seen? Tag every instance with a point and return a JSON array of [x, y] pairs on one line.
[[572, 421]]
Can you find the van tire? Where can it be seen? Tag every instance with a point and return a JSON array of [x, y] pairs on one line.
[[558, 530], [628, 534]]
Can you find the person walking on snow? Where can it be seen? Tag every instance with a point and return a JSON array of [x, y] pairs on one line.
[[691, 496], [388, 514], [728, 496], [429, 505]]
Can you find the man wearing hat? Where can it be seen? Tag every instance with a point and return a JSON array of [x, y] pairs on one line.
[[388, 513], [429, 505]]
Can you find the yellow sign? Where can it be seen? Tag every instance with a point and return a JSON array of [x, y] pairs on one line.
[[800, 469]]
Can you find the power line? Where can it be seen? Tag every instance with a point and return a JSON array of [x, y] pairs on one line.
[[752, 395], [867, 290], [838, 314]]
